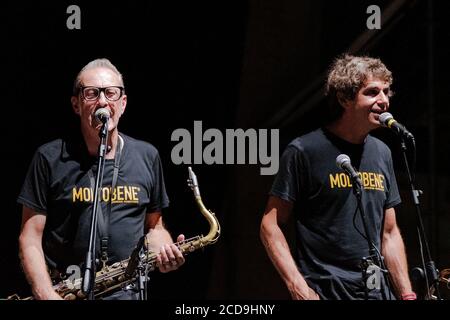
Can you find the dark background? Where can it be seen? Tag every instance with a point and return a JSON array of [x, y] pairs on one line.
[[242, 64]]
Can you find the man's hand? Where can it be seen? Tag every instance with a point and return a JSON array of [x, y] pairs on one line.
[[170, 257], [49, 294], [300, 291]]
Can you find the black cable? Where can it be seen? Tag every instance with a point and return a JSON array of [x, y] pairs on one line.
[[379, 256]]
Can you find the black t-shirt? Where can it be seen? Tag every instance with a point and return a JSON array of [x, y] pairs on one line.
[[329, 246], [58, 184]]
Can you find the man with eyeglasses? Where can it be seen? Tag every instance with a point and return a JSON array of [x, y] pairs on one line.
[[57, 194]]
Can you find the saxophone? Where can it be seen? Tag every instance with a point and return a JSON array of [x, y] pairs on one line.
[[118, 275], [444, 278]]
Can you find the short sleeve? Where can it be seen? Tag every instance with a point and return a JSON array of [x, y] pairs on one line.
[[286, 183], [392, 196], [158, 195], [35, 187]]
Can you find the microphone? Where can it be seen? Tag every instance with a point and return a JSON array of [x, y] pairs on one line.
[[343, 162], [102, 115], [387, 120]]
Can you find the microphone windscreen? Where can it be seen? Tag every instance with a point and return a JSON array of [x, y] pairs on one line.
[[102, 114], [384, 118], [341, 159]]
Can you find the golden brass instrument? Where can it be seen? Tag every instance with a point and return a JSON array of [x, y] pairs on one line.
[[113, 277], [444, 283], [445, 277]]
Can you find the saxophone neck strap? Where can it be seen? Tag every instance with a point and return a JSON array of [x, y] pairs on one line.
[[103, 217]]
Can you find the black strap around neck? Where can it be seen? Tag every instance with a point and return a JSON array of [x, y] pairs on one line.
[[103, 219]]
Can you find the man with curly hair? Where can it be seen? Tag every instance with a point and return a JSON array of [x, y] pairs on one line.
[[330, 240]]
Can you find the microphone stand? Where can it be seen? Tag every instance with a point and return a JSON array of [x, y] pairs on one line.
[[373, 264], [142, 275], [90, 262], [137, 267], [430, 273]]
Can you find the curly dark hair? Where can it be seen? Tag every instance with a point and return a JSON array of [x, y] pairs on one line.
[[347, 75]]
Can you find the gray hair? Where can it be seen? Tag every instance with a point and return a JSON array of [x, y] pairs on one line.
[[97, 63]]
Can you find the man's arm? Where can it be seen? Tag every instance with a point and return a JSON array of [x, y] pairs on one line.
[[278, 211], [159, 240], [32, 255], [394, 254]]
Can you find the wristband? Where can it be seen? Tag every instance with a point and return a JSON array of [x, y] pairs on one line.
[[409, 296]]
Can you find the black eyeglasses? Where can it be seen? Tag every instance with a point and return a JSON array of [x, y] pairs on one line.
[[112, 93]]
